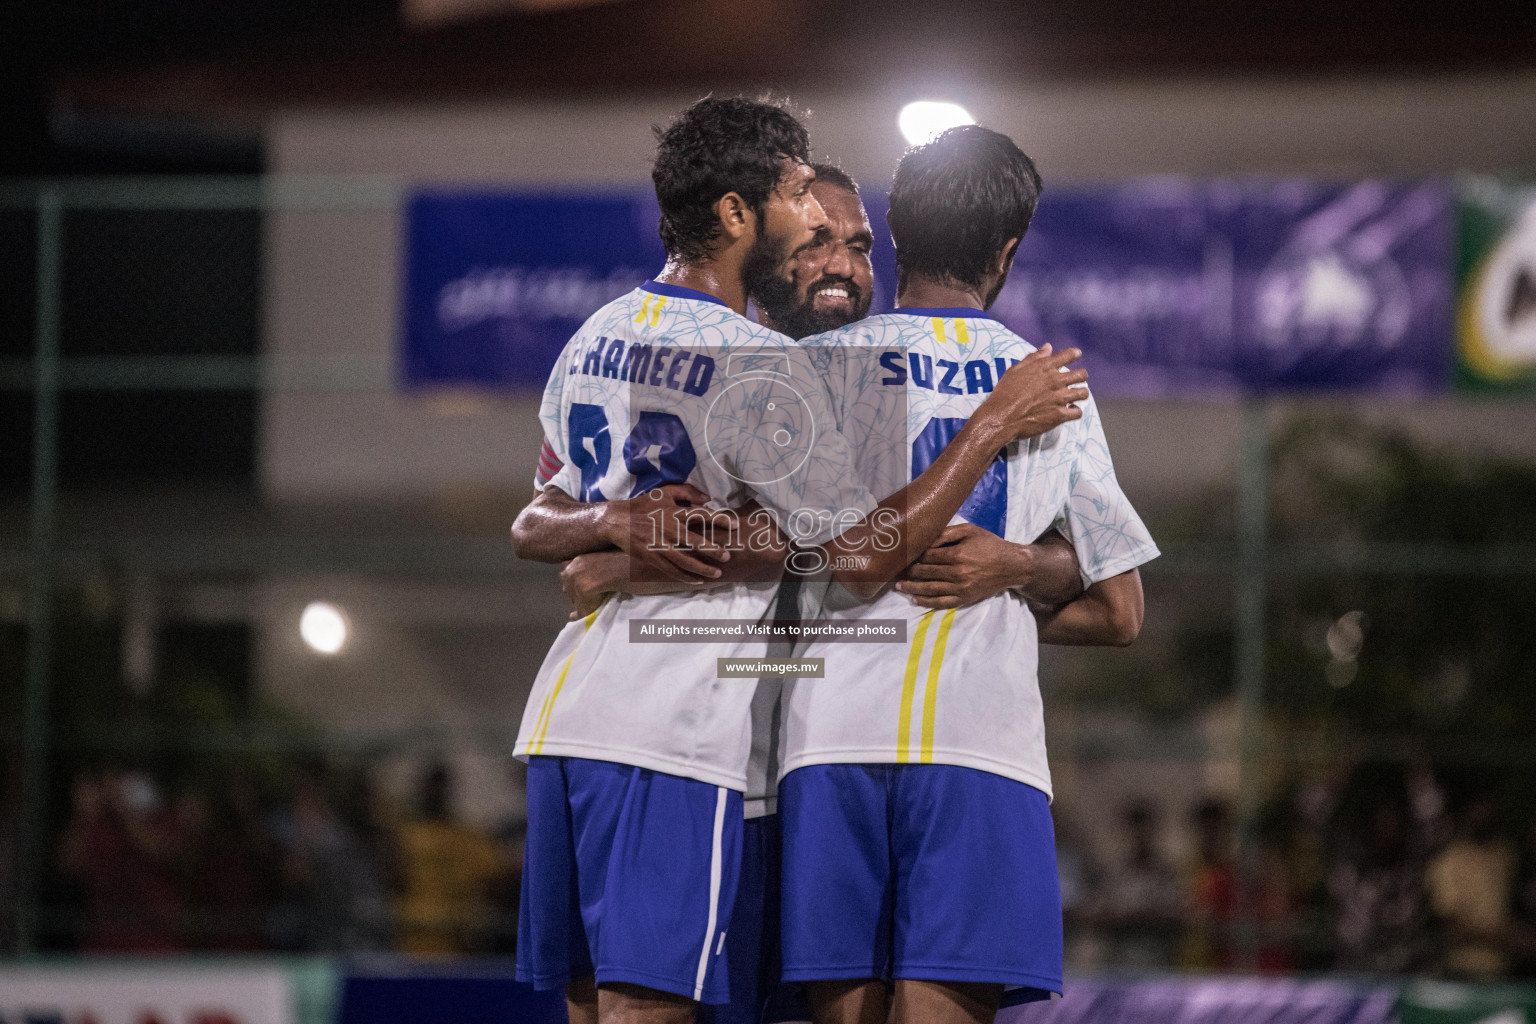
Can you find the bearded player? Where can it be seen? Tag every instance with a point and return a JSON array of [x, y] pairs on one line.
[[637, 752], [830, 285], [918, 860]]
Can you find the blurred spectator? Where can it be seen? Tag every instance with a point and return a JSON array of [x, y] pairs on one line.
[[1139, 908], [189, 822], [371, 818], [1211, 903], [227, 862], [332, 889], [1523, 907], [1470, 884], [119, 845], [1307, 824], [1275, 905], [1377, 884], [8, 833], [511, 836], [448, 870], [1078, 877]]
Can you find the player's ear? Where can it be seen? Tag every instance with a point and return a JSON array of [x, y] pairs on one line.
[[1005, 257], [736, 217]]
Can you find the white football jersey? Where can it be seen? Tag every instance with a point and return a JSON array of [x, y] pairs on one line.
[[664, 385], [963, 687]]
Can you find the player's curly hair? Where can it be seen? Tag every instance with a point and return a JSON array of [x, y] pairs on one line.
[[956, 201], [714, 147]]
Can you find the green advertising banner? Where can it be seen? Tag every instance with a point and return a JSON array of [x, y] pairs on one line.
[[1439, 1002], [1496, 287]]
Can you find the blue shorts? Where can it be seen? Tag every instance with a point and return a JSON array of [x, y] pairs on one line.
[[924, 871], [752, 951], [629, 875]]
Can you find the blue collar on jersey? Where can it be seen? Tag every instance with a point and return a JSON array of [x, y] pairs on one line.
[[678, 292], [945, 311]]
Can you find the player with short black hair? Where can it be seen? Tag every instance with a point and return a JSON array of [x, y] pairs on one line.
[[918, 867], [959, 201], [719, 146]]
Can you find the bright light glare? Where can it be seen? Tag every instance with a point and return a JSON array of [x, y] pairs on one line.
[[324, 627], [921, 121]]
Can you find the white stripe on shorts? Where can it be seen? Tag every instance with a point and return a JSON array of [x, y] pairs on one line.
[[714, 893]]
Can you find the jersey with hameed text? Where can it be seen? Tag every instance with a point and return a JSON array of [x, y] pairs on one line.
[[669, 385], [963, 688]]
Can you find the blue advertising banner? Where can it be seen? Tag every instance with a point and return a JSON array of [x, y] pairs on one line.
[[402, 992], [463, 994], [497, 283], [1170, 286], [1176, 286]]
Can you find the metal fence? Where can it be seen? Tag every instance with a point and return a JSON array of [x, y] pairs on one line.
[[233, 364]]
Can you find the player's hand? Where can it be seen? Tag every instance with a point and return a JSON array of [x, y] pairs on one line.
[[669, 535], [965, 565], [1037, 393], [584, 584]]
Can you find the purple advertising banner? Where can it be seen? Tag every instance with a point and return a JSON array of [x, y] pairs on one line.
[[1214, 1000], [1177, 286], [1169, 286]]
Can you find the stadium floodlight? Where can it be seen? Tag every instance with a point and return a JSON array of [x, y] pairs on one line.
[[922, 120], [323, 627]]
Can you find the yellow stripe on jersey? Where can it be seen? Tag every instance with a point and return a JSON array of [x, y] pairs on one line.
[[962, 336], [661, 303], [931, 700], [645, 305], [908, 688], [541, 726], [938, 329]]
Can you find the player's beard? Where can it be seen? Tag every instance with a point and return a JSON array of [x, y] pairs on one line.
[[801, 319], [767, 275], [997, 289]]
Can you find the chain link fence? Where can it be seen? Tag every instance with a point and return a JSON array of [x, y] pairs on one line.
[[1217, 785]]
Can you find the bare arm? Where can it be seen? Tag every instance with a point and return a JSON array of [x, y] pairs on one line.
[[1109, 613], [759, 558], [555, 527], [969, 564], [1034, 396]]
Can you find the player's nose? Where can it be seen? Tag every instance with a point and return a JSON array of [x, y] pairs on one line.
[[816, 217], [839, 262]]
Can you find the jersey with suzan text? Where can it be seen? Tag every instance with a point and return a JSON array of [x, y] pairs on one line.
[[963, 688], [669, 385]]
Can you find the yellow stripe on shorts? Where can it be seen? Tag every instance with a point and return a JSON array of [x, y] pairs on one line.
[[908, 687]]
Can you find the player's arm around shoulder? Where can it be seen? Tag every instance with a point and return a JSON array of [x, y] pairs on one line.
[[753, 552], [1034, 396], [969, 564], [659, 530], [554, 527], [1108, 614]]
